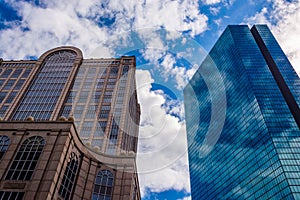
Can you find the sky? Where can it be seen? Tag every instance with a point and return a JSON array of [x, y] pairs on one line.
[[169, 38]]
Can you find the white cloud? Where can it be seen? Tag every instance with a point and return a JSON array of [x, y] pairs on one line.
[[48, 28], [218, 21], [57, 23], [171, 15], [259, 17], [167, 65], [214, 10], [175, 107], [162, 158], [170, 70], [186, 198], [225, 3], [282, 19], [210, 2]]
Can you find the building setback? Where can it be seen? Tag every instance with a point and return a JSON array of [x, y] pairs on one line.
[[256, 154], [69, 127]]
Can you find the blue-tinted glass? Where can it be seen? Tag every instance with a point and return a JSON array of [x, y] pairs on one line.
[[6, 73], [256, 155]]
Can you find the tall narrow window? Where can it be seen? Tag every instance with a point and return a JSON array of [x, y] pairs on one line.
[[26, 159], [68, 182], [4, 142], [103, 185]]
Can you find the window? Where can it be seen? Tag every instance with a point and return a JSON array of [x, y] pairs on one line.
[[127, 60], [26, 73], [3, 110], [2, 96], [67, 184], [11, 97], [9, 84], [4, 142], [66, 111], [19, 84], [11, 195], [86, 129], [125, 69], [104, 114], [1, 82], [26, 159], [16, 73], [103, 185], [103, 125], [114, 71], [6, 73], [50, 81]]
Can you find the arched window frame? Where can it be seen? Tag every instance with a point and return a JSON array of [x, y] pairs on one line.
[[4, 143], [68, 182], [103, 186], [26, 159]]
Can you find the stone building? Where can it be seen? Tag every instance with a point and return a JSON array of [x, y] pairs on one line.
[[69, 127]]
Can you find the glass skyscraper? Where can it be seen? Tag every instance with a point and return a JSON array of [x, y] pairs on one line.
[[243, 119]]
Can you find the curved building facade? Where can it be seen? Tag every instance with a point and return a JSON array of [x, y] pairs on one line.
[[69, 127]]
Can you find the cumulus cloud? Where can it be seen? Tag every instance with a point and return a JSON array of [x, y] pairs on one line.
[[54, 23], [44, 28], [259, 17], [49, 24], [282, 20], [169, 69], [162, 158], [210, 2], [99, 28]]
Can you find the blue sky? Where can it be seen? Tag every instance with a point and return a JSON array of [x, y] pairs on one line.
[[169, 38]]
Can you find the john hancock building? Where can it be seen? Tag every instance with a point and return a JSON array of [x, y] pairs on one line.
[[256, 154], [69, 127]]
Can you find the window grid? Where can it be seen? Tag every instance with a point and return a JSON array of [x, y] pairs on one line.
[[98, 95], [3, 110], [67, 184], [6, 195], [103, 185], [26, 159], [43, 94]]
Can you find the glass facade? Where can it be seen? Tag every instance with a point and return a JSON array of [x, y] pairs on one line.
[[98, 101], [43, 94], [96, 93], [12, 78], [69, 96], [256, 154]]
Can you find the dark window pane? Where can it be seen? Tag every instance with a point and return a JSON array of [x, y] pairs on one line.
[[24, 162]]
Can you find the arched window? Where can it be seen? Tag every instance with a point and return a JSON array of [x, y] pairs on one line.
[[103, 185], [68, 182], [4, 142], [26, 159]]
